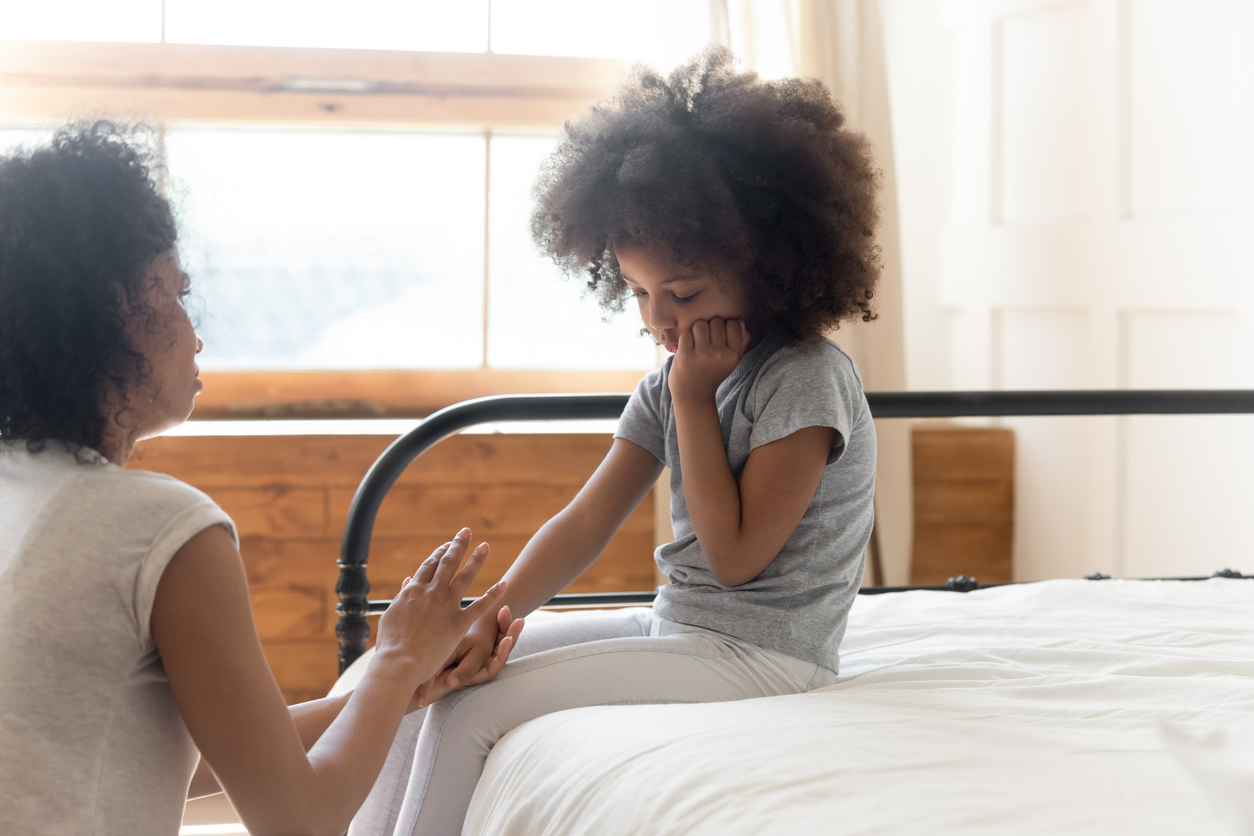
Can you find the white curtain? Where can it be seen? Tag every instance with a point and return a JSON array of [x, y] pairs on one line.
[[841, 43]]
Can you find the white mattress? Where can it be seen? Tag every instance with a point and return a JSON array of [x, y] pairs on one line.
[[1019, 710]]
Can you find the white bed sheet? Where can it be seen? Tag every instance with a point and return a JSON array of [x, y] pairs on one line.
[[1020, 710]]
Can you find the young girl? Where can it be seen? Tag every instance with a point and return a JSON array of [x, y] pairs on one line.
[[128, 640], [739, 215]]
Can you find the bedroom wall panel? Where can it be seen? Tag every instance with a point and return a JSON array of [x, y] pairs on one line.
[[1101, 195], [1190, 64], [972, 124], [1176, 521], [1062, 494], [1042, 131]]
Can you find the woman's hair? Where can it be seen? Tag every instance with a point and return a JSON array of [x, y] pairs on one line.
[[80, 221], [762, 178]]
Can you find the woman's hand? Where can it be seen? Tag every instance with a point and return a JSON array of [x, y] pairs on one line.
[[425, 622], [707, 354], [478, 659], [202, 624]]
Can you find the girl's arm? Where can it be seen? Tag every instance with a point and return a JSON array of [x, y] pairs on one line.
[[559, 552], [202, 623], [741, 526]]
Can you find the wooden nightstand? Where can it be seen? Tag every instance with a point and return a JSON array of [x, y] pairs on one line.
[[963, 503]]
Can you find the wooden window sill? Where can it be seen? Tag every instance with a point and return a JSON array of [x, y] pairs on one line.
[[404, 393]]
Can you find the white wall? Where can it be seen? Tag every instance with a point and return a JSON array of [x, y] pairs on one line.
[[1076, 183]]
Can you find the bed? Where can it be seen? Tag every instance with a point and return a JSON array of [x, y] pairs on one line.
[[1077, 706], [1026, 709]]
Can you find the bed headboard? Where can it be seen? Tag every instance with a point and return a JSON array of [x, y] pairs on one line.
[[352, 587]]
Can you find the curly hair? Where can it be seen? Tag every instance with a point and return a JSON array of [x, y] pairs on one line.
[[763, 178], [80, 221]]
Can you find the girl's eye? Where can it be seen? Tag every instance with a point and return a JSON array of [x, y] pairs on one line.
[[682, 299], [639, 294]]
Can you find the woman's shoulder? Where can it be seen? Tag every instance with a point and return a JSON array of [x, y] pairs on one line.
[[63, 508], [86, 483], [155, 493]]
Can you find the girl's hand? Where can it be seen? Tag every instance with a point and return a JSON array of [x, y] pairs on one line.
[[707, 354], [497, 643], [426, 621]]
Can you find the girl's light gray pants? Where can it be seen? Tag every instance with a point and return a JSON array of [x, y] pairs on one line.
[[607, 657]]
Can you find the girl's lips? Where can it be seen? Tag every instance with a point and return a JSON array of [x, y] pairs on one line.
[[671, 347]]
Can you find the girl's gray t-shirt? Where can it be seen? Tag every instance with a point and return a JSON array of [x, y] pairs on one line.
[[800, 602]]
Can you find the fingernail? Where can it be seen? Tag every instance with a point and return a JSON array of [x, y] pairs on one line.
[[464, 534], [454, 681], [482, 549]]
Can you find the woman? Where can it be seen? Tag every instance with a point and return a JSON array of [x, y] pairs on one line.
[[128, 640]]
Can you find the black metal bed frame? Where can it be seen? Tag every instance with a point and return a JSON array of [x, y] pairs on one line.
[[352, 629]]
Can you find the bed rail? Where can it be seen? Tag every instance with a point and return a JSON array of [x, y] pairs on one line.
[[352, 587]]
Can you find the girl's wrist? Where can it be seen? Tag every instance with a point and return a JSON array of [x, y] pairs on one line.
[[689, 400], [406, 668]]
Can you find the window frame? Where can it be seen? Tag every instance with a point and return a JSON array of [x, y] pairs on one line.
[[196, 84]]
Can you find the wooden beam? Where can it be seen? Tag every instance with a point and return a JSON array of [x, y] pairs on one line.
[[257, 85], [272, 69], [57, 103]]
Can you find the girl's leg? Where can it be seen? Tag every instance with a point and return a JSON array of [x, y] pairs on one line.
[[675, 664], [379, 813]]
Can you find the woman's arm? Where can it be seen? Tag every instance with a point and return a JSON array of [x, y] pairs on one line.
[[741, 526], [560, 551], [311, 719], [202, 623]]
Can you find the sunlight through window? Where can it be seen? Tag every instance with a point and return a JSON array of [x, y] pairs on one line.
[[333, 249], [661, 32], [364, 24], [81, 20], [536, 316]]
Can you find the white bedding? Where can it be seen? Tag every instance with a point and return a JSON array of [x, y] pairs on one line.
[[1018, 710]]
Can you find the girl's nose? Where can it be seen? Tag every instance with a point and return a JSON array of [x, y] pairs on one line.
[[200, 344], [659, 316]]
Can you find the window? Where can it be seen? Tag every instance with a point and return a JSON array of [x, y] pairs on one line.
[[657, 31], [366, 250], [333, 249], [460, 26], [536, 318], [83, 20], [353, 183]]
